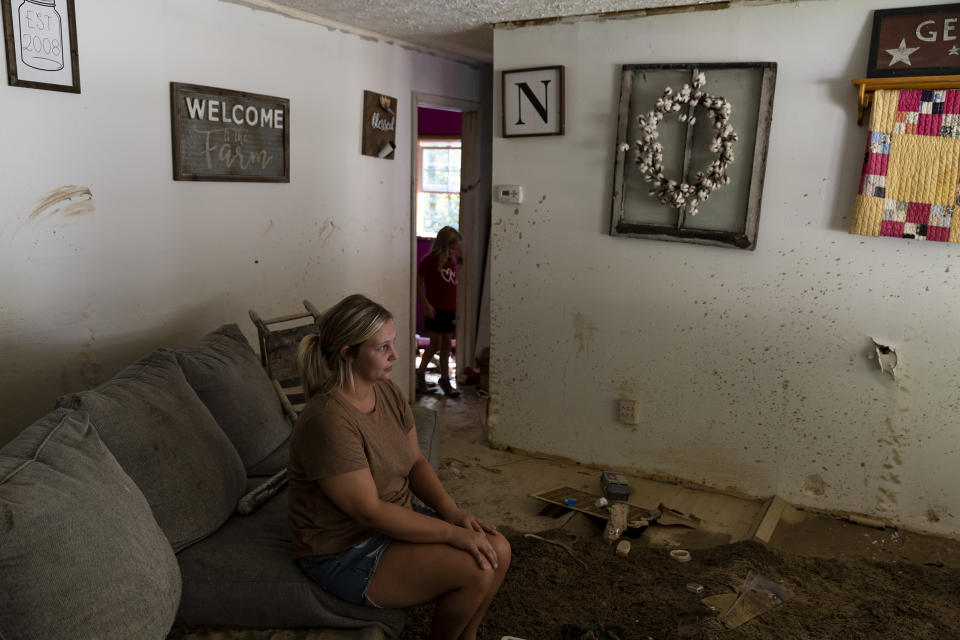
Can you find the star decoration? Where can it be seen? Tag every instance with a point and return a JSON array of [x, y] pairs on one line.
[[902, 53], [954, 51]]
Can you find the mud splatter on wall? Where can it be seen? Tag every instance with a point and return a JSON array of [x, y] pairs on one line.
[[754, 373], [91, 219], [69, 200]]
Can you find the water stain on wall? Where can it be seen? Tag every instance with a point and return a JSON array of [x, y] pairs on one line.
[[327, 227], [814, 485], [583, 332], [91, 371]]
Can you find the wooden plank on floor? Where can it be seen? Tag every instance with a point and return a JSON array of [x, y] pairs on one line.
[[769, 518], [585, 504]]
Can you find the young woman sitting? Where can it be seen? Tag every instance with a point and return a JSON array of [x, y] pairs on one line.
[[354, 466]]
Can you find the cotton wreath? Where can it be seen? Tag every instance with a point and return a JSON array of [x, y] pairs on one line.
[[650, 152]]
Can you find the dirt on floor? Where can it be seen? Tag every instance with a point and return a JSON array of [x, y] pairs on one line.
[[548, 594]]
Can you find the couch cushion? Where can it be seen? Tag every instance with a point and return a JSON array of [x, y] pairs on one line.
[[164, 437], [228, 377], [81, 555], [275, 461], [244, 576]]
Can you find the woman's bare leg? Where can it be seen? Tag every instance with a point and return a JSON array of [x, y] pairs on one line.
[[411, 574], [502, 547]]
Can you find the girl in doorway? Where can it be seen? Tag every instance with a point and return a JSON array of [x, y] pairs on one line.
[[354, 464], [437, 290]]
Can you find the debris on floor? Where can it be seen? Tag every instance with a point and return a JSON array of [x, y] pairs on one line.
[[623, 548], [775, 510], [617, 522], [669, 517], [569, 498], [615, 485], [680, 555], [593, 632], [695, 587], [754, 596], [563, 546]]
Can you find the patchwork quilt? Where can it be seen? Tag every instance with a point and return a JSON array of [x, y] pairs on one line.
[[909, 184]]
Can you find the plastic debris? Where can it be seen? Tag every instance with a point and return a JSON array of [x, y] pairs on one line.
[[680, 555]]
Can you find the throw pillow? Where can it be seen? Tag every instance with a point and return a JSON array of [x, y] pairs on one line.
[[227, 375], [165, 438], [81, 553]]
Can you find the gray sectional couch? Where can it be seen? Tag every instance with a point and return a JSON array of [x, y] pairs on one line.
[[118, 509]]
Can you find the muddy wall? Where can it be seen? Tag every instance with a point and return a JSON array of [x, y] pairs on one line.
[[753, 370], [104, 257]]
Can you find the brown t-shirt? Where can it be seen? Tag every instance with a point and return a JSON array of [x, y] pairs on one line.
[[333, 437]]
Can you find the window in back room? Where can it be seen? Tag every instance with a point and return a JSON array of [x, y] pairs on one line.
[[438, 184]]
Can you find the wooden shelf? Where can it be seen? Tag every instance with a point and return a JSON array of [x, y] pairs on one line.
[[866, 87]]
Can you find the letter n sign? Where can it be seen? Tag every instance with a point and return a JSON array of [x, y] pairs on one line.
[[533, 102]]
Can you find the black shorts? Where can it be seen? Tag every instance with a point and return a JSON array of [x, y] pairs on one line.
[[443, 321]]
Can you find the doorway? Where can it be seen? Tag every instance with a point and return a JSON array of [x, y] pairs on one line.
[[451, 135], [439, 145]]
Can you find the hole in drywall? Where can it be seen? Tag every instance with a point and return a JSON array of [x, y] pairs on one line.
[[886, 357]]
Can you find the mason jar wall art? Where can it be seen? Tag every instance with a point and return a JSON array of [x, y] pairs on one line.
[[41, 42], [41, 36]]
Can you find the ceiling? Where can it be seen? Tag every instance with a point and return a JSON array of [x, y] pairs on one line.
[[462, 28]]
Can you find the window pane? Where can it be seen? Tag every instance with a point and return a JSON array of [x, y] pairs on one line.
[[723, 210], [440, 170], [639, 206], [435, 211]]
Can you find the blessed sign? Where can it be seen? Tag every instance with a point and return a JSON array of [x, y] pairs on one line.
[[226, 135], [915, 41], [379, 125]]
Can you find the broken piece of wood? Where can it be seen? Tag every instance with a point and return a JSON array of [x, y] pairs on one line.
[[775, 510], [670, 517], [559, 544]]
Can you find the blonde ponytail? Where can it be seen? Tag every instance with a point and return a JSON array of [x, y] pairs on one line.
[[349, 323]]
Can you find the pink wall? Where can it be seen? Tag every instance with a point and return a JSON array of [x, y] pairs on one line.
[[438, 122]]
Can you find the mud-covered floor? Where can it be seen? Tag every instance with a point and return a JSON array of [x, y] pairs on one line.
[[841, 579]]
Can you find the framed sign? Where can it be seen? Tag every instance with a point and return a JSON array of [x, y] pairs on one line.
[[40, 38], [916, 41], [232, 136], [532, 102], [379, 125]]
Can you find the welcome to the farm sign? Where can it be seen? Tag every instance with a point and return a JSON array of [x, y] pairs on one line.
[[226, 135]]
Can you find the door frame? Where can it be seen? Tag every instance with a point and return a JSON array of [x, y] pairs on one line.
[[421, 99]]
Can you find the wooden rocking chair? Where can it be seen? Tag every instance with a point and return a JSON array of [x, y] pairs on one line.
[[278, 353]]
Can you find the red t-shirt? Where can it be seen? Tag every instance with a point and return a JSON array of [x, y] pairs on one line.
[[440, 285]]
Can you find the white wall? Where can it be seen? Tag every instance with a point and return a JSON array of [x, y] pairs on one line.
[[751, 368], [160, 263]]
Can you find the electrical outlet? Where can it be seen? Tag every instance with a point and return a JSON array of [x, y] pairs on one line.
[[629, 411]]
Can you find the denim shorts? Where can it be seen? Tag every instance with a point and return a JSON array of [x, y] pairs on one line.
[[347, 574]]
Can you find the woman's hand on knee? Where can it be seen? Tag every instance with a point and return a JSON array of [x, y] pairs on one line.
[[467, 520], [476, 544]]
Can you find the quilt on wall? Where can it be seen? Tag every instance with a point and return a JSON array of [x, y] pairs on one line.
[[909, 183]]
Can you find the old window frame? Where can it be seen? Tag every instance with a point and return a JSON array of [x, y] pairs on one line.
[[445, 142], [745, 239]]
